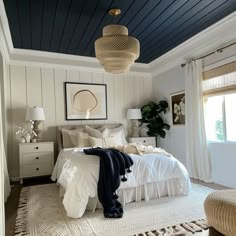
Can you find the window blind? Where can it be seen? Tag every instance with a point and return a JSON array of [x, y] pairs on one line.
[[220, 80]]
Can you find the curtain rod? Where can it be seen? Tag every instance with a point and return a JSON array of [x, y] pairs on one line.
[[208, 54]]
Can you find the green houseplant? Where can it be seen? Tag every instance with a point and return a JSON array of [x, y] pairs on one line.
[[152, 114]]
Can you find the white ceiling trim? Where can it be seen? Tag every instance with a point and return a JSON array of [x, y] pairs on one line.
[[32, 57], [221, 33]]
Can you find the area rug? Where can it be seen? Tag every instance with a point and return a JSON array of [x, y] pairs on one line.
[[41, 213]]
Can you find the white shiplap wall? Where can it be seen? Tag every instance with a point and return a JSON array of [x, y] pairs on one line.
[[44, 86]]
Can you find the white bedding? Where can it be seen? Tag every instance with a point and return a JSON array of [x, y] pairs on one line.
[[78, 174]]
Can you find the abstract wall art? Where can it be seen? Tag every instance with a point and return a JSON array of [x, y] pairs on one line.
[[85, 101]]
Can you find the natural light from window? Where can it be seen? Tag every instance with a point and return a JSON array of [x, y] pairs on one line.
[[220, 118], [214, 118], [230, 116]]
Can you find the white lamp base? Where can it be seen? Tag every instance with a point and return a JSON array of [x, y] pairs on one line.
[[135, 128]]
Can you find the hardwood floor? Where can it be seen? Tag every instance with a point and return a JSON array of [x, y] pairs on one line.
[[12, 203], [13, 200]]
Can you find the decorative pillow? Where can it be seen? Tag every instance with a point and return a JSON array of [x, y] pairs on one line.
[[119, 134], [80, 139], [102, 142], [66, 140], [96, 133]]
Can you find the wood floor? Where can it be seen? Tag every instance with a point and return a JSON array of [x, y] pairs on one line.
[[12, 203]]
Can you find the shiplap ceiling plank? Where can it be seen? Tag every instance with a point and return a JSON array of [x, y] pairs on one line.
[[36, 24], [72, 26]]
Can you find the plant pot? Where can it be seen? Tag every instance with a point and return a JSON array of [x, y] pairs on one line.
[[22, 140], [143, 131], [27, 138]]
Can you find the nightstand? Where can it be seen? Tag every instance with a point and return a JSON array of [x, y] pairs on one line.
[[147, 141], [36, 159]]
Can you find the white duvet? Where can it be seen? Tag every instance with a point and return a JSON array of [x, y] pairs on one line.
[[78, 174]]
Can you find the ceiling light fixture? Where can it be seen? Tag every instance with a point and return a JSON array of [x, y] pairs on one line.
[[115, 50]]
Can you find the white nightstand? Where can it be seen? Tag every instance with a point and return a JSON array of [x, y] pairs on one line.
[[36, 159], [147, 141]]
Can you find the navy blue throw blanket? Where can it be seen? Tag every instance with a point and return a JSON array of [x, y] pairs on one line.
[[113, 167]]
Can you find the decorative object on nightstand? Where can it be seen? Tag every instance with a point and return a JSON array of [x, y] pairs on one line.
[[35, 115], [134, 115], [143, 130], [36, 159], [24, 134], [147, 141]]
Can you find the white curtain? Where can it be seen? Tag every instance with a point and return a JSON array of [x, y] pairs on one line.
[[7, 187], [197, 156]]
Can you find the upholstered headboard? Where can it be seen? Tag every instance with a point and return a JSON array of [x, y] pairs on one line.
[[72, 127]]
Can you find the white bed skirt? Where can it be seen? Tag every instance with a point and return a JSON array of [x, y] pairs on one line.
[[170, 187]]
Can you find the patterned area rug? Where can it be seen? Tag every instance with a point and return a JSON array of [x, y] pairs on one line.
[[41, 213]]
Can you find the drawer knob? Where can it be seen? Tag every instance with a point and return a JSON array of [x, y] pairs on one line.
[[37, 168], [36, 148], [144, 141], [37, 158]]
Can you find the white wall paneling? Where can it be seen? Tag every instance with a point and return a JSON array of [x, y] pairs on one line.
[[44, 86], [18, 108]]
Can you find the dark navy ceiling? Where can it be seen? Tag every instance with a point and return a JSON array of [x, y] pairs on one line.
[[72, 26]]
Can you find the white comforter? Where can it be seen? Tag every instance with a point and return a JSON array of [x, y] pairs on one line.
[[78, 174]]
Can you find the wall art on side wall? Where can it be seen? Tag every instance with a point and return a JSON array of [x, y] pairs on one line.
[[178, 108], [86, 101]]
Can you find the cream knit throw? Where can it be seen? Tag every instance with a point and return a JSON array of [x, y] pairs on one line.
[[138, 148]]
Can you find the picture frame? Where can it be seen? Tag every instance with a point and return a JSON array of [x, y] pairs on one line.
[[178, 108], [85, 101]]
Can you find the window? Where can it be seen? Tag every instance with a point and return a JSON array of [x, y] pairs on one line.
[[219, 89], [220, 118]]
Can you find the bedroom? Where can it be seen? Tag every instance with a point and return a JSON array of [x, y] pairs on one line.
[[34, 77]]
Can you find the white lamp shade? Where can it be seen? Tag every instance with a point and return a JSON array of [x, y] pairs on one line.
[[134, 114], [35, 113]]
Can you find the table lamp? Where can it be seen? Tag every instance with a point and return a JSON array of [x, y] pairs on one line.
[[134, 115], [35, 114]]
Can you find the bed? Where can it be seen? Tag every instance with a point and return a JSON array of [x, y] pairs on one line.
[[153, 175]]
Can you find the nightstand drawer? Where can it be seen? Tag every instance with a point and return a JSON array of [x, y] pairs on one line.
[[147, 141], [35, 147], [37, 170], [37, 157]]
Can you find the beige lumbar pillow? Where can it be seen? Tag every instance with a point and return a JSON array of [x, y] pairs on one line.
[[80, 139], [66, 137]]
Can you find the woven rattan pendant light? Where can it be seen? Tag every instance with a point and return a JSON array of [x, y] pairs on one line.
[[116, 51]]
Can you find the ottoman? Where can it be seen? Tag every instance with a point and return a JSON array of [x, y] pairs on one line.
[[220, 209]]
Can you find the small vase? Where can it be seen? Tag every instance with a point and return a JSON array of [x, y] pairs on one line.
[[143, 131], [27, 138], [22, 139]]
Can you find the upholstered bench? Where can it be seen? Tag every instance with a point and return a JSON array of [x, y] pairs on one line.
[[220, 209]]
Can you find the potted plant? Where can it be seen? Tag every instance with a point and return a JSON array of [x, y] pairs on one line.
[[151, 114]]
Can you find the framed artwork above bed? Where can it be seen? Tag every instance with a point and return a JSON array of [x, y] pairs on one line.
[[85, 101]]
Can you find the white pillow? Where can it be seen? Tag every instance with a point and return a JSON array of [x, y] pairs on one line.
[[96, 133], [80, 139], [119, 134], [102, 142]]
